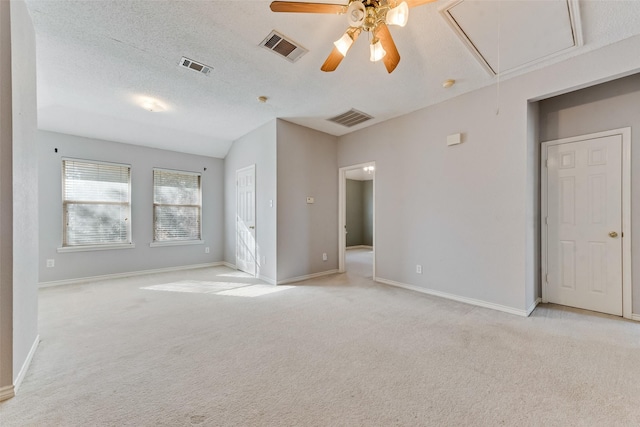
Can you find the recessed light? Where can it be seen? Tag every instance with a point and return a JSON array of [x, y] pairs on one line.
[[262, 99], [448, 83], [151, 104]]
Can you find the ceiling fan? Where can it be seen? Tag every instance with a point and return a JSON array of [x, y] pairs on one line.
[[362, 15]]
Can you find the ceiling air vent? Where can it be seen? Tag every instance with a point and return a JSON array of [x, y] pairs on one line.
[[350, 118], [195, 66], [283, 46]]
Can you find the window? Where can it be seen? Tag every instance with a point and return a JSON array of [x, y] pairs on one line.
[[96, 203], [177, 205]]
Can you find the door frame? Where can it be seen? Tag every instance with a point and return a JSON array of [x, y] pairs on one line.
[[255, 241], [342, 213], [627, 308]]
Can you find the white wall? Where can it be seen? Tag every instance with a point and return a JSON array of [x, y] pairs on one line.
[[73, 265], [259, 148], [611, 105], [467, 213], [307, 166]]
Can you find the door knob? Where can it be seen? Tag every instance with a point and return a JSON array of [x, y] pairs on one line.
[[251, 227], [613, 234]]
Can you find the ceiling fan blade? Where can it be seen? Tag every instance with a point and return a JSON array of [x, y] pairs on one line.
[[333, 60], [302, 7], [392, 58], [335, 57], [414, 3]]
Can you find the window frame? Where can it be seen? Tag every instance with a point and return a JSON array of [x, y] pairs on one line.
[[176, 242], [65, 246]]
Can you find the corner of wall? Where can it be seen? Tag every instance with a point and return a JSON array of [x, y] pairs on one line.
[[25, 185], [258, 147], [307, 166]]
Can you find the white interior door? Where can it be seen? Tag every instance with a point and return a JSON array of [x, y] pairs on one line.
[[246, 219], [584, 224]]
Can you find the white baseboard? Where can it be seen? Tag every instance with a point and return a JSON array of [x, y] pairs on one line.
[[7, 392], [128, 274], [25, 366], [269, 280], [458, 298], [533, 306], [308, 276], [635, 317], [359, 247]]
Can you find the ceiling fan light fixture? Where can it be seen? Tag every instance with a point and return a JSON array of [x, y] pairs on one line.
[[399, 15], [344, 43], [356, 13], [377, 51]]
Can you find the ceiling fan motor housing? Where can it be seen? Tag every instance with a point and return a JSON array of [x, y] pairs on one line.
[[366, 14]]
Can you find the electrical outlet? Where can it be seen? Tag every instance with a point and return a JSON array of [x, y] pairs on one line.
[[206, 250], [324, 256], [419, 269], [270, 203], [51, 263]]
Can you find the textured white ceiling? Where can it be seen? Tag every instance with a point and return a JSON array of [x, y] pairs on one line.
[[95, 57]]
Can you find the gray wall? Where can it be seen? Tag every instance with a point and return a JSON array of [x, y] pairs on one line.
[[6, 202], [354, 212], [533, 283], [367, 202], [18, 192], [75, 265], [607, 106], [468, 213], [259, 148], [307, 166], [359, 212], [440, 206], [25, 186]]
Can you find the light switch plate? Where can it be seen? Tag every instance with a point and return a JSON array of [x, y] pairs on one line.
[[454, 139]]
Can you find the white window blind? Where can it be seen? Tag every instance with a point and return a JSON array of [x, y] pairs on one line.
[[96, 203], [177, 206]]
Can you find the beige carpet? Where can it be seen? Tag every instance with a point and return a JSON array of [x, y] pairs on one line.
[[207, 347]]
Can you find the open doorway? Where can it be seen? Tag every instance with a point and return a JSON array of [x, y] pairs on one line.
[[357, 220]]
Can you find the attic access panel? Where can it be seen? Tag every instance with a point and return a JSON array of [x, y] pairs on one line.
[[509, 35]]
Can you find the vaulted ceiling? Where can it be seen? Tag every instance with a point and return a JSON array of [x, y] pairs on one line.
[[98, 61]]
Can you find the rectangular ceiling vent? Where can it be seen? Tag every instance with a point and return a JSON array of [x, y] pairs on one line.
[[195, 66], [350, 118], [283, 46]]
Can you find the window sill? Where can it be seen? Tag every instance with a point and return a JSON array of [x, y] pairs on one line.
[[96, 247], [176, 243]]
